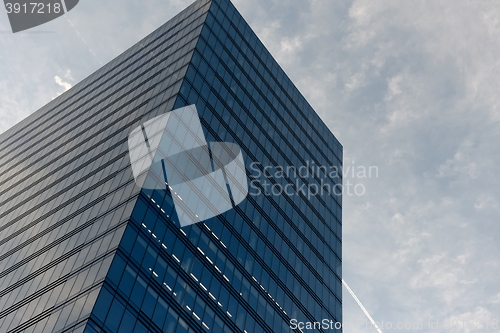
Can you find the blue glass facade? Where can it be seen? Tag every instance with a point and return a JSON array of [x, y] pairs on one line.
[[273, 258]]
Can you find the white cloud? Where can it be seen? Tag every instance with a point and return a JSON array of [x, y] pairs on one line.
[[393, 87], [442, 275], [60, 82], [479, 319], [495, 299], [461, 165], [356, 81]]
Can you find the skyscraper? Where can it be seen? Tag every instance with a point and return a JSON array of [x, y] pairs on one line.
[[87, 245]]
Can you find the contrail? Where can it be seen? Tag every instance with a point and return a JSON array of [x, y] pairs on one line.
[[78, 33], [361, 306]]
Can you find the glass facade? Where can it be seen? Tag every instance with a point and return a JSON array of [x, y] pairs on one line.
[[84, 249]]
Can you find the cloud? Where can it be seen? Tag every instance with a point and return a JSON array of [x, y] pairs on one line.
[[495, 299], [479, 319], [64, 84], [60, 82]]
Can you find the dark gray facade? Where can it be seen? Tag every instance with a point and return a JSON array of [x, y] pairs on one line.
[[84, 249]]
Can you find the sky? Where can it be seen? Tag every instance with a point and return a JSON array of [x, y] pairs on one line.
[[409, 88]]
